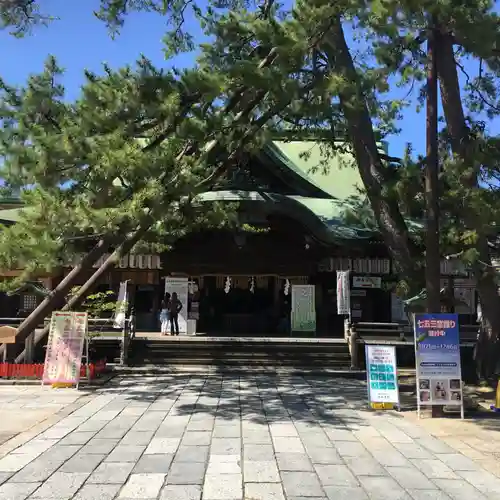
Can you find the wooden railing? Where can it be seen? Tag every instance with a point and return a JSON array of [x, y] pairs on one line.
[[396, 334], [98, 328], [102, 329]]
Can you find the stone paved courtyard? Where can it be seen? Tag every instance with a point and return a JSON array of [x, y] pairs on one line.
[[255, 437], [22, 407]]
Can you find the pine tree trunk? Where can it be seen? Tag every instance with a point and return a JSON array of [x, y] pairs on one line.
[[366, 152], [122, 250], [432, 251], [487, 350], [57, 296]]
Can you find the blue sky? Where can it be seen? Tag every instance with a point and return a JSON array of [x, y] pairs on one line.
[[79, 41]]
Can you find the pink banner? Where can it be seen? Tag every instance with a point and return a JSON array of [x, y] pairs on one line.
[[65, 347]]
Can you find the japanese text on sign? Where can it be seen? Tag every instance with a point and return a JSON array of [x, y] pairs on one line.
[[437, 354], [64, 349]]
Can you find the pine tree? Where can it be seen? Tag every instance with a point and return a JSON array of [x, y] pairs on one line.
[[465, 32], [71, 156], [354, 103], [240, 39], [344, 100], [134, 150], [308, 77], [20, 17]]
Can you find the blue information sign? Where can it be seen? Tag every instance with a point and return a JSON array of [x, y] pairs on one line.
[[437, 355]]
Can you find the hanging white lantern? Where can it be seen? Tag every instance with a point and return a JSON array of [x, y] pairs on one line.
[[286, 291], [227, 285]]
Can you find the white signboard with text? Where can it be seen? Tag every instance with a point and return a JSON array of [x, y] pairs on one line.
[[63, 358], [303, 308], [381, 374], [343, 293], [366, 282]]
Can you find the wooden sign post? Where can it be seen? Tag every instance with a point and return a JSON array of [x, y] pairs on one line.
[[7, 336]]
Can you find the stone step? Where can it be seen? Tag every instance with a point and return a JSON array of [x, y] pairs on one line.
[[212, 359], [153, 369], [230, 350], [242, 349], [219, 351]]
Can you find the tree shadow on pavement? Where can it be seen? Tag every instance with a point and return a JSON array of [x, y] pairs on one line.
[[477, 404], [256, 398]]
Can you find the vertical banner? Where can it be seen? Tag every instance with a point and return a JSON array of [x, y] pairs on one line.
[[63, 358], [303, 308], [381, 373], [437, 355], [121, 306], [343, 293], [180, 286]]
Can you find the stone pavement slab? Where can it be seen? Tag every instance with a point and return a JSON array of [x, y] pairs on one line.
[[23, 407], [4, 476], [345, 493], [383, 488], [126, 453], [192, 454], [111, 473], [324, 456], [222, 487], [181, 492], [186, 473], [162, 446], [82, 463], [428, 495], [100, 446], [301, 484], [261, 472], [142, 486], [60, 485], [294, 462], [17, 491], [98, 492], [264, 491], [458, 489], [336, 475], [153, 464], [191, 436]]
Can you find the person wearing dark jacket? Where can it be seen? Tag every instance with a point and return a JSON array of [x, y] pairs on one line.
[[174, 308]]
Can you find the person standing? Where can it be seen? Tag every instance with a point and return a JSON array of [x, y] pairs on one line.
[[164, 314], [175, 307]]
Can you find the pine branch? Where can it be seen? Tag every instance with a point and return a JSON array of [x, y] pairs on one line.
[[186, 107], [473, 86]]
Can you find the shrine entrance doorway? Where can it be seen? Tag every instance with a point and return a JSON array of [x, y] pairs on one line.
[[245, 305]]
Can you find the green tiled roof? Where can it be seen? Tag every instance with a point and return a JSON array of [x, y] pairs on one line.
[[331, 214], [334, 183], [34, 287], [336, 175], [9, 200], [10, 215], [319, 215]]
